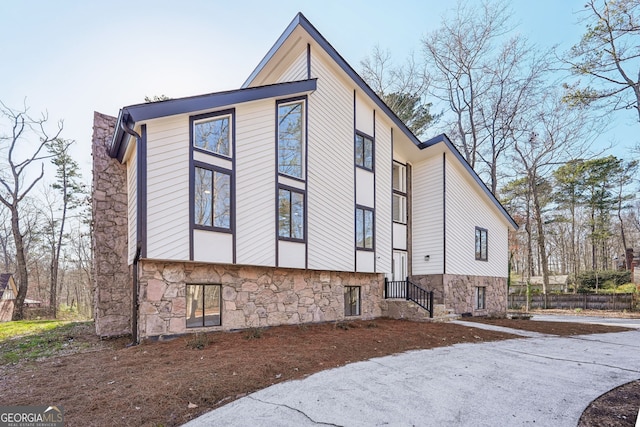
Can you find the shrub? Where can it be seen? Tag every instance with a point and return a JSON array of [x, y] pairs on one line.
[[198, 341], [605, 280]]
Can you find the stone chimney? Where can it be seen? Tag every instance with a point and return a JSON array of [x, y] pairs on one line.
[[112, 284]]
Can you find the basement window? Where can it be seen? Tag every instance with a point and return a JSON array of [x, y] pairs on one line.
[[352, 300], [481, 292], [203, 305]]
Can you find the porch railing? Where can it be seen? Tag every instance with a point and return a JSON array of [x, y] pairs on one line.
[[410, 291]]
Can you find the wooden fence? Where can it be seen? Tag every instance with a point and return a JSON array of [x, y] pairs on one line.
[[571, 301]]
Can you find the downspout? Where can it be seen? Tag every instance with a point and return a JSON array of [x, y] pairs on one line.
[[134, 302], [134, 305]]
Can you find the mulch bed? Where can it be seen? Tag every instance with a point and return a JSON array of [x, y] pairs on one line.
[[169, 383]]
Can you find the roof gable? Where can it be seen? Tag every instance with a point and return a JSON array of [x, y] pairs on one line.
[[301, 21], [7, 282], [443, 139]]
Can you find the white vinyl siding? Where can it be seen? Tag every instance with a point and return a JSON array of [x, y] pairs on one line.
[[168, 188], [399, 236], [364, 116], [255, 183], [210, 246], [468, 208], [330, 180], [383, 159], [297, 70], [365, 188], [366, 261], [427, 217], [212, 160], [132, 199], [291, 254]]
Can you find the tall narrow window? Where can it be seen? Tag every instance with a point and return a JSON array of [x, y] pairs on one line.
[[203, 305], [352, 301], [212, 199], [399, 174], [290, 214], [213, 135], [364, 228], [399, 177], [290, 139], [399, 208], [481, 244], [364, 152]]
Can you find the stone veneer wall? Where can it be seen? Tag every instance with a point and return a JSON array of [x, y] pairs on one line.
[[251, 296], [111, 275], [457, 292]]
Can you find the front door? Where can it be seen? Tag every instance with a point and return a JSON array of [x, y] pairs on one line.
[[399, 265]]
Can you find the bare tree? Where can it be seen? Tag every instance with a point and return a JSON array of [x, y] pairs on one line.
[[552, 136], [402, 88], [19, 180], [487, 80], [607, 56]]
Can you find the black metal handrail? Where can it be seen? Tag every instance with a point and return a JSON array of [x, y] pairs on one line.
[[409, 291]]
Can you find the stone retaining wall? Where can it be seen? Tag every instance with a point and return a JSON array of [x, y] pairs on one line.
[[458, 292], [111, 276], [251, 296]]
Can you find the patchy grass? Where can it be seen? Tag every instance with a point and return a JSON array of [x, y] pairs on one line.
[[29, 340], [27, 327]]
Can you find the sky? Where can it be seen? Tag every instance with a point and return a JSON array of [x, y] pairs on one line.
[[70, 58]]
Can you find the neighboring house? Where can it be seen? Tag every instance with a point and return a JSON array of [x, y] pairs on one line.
[[8, 293], [289, 200]]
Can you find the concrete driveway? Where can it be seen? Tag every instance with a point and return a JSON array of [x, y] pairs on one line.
[[535, 380]]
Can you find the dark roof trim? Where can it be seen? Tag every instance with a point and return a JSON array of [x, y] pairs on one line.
[[444, 139], [132, 114], [301, 20]]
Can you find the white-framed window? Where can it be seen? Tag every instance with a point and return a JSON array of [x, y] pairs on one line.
[[364, 151], [399, 208], [481, 244], [290, 214], [364, 228], [213, 135], [291, 139], [481, 293], [203, 305], [212, 198], [399, 177], [399, 174]]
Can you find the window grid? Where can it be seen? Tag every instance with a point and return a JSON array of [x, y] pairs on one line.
[[399, 174]]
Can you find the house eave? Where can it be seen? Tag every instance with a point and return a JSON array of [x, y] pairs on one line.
[[133, 114]]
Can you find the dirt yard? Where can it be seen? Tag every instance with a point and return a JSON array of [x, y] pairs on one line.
[[169, 383]]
